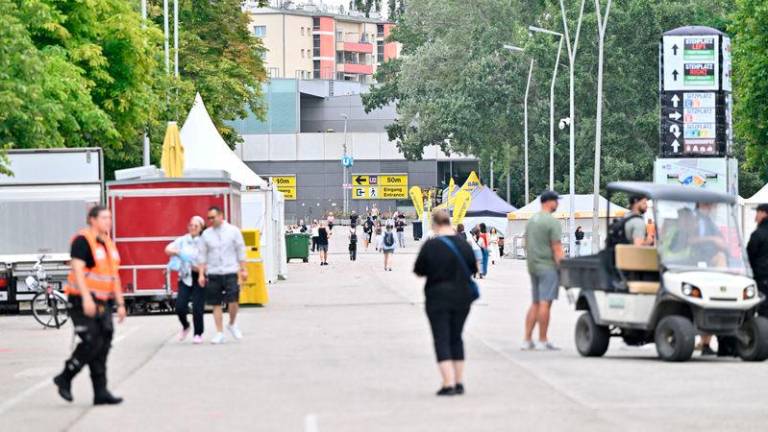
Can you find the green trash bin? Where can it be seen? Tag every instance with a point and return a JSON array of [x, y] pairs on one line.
[[297, 246]]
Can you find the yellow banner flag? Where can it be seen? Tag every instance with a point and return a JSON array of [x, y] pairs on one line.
[[451, 187], [418, 200], [461, 205], [472, 183]]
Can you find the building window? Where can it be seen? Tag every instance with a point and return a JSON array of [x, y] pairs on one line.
[[316, 45], [380, 29], [339, 56], [316, 23], [339, 36], [302, 31], [302, 53], [316, 69], [260, 31], [380, 51]]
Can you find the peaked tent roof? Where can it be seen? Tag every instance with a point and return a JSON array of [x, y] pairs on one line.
[[583, 207], [759, 197], [204, 148], [486, 202]]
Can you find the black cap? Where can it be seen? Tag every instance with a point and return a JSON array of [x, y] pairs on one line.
[[762, 208], [549, 196], [635, 198]]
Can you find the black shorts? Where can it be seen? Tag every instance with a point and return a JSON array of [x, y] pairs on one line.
[[221, 289]]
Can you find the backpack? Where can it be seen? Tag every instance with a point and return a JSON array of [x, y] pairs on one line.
[[616, 231], [389, 240], [353, 238]]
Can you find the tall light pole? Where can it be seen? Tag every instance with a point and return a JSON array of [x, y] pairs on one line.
[[551, 103], [602, 21], [176, 38], [572, 123], [165, 37], [146, 137], [525, 119], [345, 204]]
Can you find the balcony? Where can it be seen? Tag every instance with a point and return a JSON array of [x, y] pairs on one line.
[[361, 69], [358, 47]]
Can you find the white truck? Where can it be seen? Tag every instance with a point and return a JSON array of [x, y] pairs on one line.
[[42, 205]]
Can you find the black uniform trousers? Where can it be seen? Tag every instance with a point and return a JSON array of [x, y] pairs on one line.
[[95, 335]]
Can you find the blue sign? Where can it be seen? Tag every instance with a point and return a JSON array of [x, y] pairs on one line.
[[347, 161]]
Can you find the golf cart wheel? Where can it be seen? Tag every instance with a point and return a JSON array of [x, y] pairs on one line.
[[675, 338], [591, 339], [753, 340]]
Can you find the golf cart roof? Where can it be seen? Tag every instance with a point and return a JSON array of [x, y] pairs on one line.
[[670, 192]]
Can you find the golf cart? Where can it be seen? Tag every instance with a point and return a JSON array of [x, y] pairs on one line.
[[695, 280]]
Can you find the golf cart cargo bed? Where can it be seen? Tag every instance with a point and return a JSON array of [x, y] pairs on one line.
[[586, 272]]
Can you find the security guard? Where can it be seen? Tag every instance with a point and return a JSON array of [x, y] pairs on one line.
[[93, 286], [757, 250]]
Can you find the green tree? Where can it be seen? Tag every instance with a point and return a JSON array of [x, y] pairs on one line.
[[750, 58]]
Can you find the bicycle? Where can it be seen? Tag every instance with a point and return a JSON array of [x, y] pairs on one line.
[[49, 306]]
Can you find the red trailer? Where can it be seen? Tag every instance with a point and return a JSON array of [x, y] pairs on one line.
[[149, 213]]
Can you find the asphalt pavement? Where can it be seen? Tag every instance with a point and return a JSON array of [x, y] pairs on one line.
[[346, 347]]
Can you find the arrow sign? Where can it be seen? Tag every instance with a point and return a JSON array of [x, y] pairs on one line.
[[675, 73], [359, 180], [675, 130], [675, 146], [675, 115], [675, 99], [674, 49]]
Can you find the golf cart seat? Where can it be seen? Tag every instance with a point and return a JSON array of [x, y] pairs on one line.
[[636, 265]]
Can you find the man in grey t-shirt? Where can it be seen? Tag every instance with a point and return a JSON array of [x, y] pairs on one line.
[[221, 260], [634, 227]]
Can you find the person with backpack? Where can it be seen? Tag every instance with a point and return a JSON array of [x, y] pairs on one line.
[[635, 231], [447, 262], [353, 244], [367, 232], [388, 246]]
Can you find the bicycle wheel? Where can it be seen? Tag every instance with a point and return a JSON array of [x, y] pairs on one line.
[[49, 310]]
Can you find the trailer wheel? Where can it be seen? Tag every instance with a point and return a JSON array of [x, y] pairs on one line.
[[591, 339], [675, 338], [753, 340], [306, 259]]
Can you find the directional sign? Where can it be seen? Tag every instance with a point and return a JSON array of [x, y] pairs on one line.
[[380, 186], [286, 185], [691, 62], [347, 161]]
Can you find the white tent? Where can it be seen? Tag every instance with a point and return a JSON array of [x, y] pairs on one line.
[[262, 206], [749, 208]]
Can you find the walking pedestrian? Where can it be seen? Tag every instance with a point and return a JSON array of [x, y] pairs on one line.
[[447, 261], [377, 236], [579, 236], [493, 245], [353, 219], [315, 234], [400, 229], [367, 232], [483, 241], [93, 288], [757, 250], [472, 238], [221, 263], [323, 234], [388, 246], [500, 242], [330, 219], [353, 244], [544, 251], [184, 255]]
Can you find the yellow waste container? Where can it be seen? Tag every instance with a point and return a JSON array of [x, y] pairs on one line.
[[254, 290]]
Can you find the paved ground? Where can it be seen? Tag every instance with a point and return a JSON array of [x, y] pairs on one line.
[[346, 348]]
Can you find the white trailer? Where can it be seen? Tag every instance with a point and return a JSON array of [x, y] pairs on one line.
[[42, 205]]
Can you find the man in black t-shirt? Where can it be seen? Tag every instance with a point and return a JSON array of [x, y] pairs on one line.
[[400, 229]]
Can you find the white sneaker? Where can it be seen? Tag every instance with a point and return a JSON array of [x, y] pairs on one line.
[[218, 339], [546, 346], [527, 346], [235, 331]]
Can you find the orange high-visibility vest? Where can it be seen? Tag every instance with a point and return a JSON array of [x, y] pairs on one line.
[[103, 276]]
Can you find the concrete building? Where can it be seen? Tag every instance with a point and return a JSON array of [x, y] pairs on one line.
[[312, 42], [300, 147]]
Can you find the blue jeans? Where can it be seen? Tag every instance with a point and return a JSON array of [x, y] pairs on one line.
[[485, 261]]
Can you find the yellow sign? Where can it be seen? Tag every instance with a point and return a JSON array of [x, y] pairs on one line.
[[463, 200], [418, 200], [286, 185], [380, 186]]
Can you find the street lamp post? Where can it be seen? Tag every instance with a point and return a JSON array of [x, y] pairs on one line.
[[146, 137], [345, 205], [551, 103], [572, 123], [525, 119], [601, 24]]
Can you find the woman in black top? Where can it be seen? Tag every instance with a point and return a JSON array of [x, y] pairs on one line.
[[323, 234], [449, 296]]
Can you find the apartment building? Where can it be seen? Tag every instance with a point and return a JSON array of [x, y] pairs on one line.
[[307, 42]]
